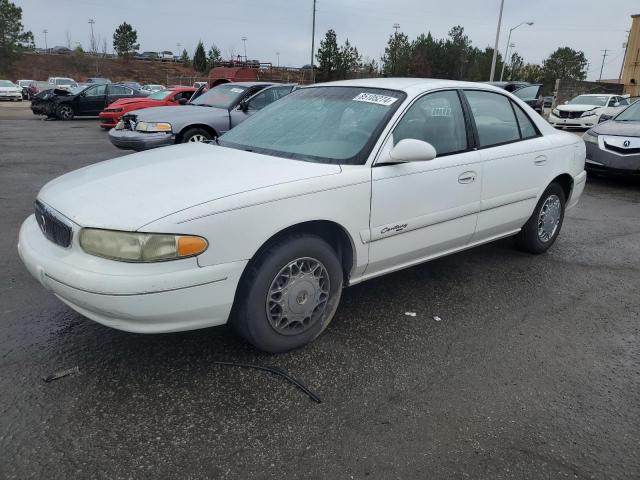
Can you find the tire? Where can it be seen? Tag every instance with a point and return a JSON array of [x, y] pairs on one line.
[[196, 135], [271, 309], [537, 236], [64, 112]]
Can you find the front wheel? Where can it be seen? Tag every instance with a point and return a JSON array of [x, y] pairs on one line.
[[542, 229], [194, 135], [64, 112], [288, 294]]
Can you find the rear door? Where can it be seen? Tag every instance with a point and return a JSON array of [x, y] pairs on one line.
[[514, 158], [116, 92]]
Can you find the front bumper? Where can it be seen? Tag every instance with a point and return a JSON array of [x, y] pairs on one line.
[[599, 159], [142, 298], [109, 119], [138, 141], [10, 96], [42, 108], [581, 122]]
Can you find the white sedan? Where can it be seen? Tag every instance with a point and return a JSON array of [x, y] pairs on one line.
[[584, 111], [330, 186], [10, 91]]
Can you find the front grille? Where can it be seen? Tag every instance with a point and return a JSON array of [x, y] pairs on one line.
[[622, 150], [564, 114], [52, 227], [129, 122]]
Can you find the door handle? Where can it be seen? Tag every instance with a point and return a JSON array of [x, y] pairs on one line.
[[467, 177], [540, 160]]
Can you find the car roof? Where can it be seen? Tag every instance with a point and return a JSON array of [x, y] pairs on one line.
[[407, 85], [597, 95], [247, 84]]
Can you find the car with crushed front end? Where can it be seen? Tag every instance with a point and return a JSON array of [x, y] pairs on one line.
[[332, 185], [201, 120], [613, 147], [112, 114], [584, 110], [82, 101]]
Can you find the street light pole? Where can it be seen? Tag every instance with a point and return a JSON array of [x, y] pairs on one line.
[[244, 40], [495, 47], [506, 52], [93, 39], [313, 37], [46, 47], [278, 55]]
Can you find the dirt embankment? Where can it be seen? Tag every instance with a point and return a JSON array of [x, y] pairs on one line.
[[81, 66]]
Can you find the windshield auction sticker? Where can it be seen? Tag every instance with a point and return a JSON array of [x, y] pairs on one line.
[[375, 98]]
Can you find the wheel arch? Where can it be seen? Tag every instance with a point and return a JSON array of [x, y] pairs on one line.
[[566, 182], [203, 126], [333, 233]]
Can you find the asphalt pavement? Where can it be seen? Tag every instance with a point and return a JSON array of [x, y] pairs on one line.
[[514, 366]]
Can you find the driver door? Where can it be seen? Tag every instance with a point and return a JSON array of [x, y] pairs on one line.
[[426, 208], [92, 100]]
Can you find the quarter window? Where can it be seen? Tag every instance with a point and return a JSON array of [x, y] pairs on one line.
[[436, 118], [527, 129], [494, 117]]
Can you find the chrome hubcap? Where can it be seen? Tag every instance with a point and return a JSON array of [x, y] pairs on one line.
[[298, 296], [549, 218], [198, 138]]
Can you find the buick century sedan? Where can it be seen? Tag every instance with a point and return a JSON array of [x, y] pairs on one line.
[[332, 185]]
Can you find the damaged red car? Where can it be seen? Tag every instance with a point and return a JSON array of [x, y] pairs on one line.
[[162, 98]]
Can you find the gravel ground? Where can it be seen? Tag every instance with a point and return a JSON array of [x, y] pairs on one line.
[[532, 370]]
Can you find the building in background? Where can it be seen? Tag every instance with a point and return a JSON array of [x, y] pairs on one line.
[[631, 67]]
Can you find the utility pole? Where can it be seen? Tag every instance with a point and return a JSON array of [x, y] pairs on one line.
[[396, 26], [93, 39], [244, 40], [46, 47], [278, 55], [604, 55], [495, 47], [313, 37]]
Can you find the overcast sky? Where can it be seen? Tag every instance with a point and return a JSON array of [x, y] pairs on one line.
[[285, 25]]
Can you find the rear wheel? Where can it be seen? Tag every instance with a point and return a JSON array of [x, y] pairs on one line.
[[289, 294], [194, 135], [64, 112], [542, 229]]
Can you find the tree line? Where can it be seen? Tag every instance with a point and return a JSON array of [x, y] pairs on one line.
[[453, 57]]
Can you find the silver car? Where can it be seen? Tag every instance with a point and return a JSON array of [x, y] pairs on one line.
[[614, 146], [202, 119]]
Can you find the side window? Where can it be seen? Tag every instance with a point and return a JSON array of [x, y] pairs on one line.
[[97, 91], [261, 100], [527, 129], [527, 93], [495, 121], [436, 118], [119, 90], [279, 92]]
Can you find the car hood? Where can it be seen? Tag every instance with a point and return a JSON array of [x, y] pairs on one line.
[[139, 102], [576, 108], [178, 113], [128, 192], [9, 89], [627, 129]]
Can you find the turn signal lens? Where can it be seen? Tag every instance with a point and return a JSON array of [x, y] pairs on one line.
[[140, 247], [189, 246]]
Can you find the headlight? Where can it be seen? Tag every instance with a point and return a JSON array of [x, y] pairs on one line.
[[590, 113], [153, 127], [112, 109], [140, 247], [556, 112], [590, 137]]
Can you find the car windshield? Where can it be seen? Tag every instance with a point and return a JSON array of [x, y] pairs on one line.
[[160, 95], [222, 96], [6, 83], [629, 114], [318, 124], [597, 100]]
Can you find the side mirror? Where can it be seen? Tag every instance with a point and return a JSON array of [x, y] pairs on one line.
[[617, 104], [412, 150], [244, 105], [566, 101], [183, 101]]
